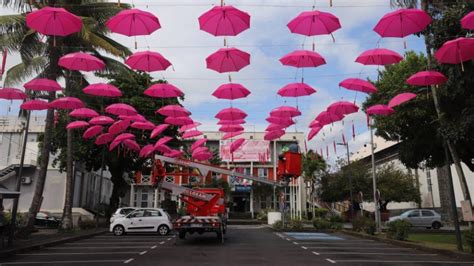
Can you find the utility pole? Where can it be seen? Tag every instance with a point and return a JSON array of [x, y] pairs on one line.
[[350, 178], [374, 180]]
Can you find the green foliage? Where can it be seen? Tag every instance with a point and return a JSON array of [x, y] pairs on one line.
[[278, 225], [263, 215], [21, 218], [468, 237], [321, 223], [312, 165], [87, 224], [398, 230], [295, 224], [396, 186], [364, 224], [320, 212]]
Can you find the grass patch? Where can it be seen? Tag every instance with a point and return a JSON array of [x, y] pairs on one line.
[[443, 241]]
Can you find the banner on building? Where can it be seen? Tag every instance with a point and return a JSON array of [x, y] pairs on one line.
[[250, 151]]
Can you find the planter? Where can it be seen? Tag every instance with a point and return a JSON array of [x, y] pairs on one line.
[[273, 217]]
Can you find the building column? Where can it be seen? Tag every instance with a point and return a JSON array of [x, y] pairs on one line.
[[251, 192], [132, 195], [155, 203]]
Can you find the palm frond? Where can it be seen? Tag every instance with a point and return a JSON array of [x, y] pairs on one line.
[[114, 66], [404, 3], [31, 46], [22, 71], [99, 41], [22, 5]]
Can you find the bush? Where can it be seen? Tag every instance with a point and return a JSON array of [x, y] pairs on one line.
[[86, 224], [296, 224], [364, 224], [321, 223], [21, 218], [320, 212], [468, 237], [398, 230], [278, 225], [262, 216]]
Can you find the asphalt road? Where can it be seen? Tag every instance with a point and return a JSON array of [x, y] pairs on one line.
[[245, 245]]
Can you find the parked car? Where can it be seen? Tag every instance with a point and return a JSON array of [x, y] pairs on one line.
[[143, 220], [45, 219], [121, 212], [420, 218]]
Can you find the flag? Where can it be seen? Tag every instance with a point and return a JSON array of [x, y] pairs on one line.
[[327, 151], [343, 138], [321, 152], [305, 146], [353, 131], [334, 144], [4, 62]]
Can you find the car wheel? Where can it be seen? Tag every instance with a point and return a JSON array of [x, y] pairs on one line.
[[436, 225], [119, 230], [163, 230]]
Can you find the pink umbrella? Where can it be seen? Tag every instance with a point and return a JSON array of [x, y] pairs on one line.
[[315, 123], [231, 114], [114, 144], [12, 94], [356, 84], [81, 61], [119, 126], [191, 134], [198, 143], [158, 130], [124, 136], [163, 141], [40, 84], [467, 21], [34, 105], [147, 61], [379, 56], [134, 118], [281, 120], [174, 154], [228, 60], [84, 113], [204, 156], [427, 78], [66, 103], [179, 121], [326, 118], [146, 151], [102, 90], [456, 51], [77, 124], [131, 145], [53, 21], [296, 90], [312, 23], [231, 91], [174, 110], [401, 98], [133, 22], [92, 132], [402, 22], [231, 135], [285, 111], [272, 135], [231, 122], [188, 127], [313, 132], [235, 145], [224, 21], [273, 127], [163, 149], [379, 109], [231, 128], [120, 109], [200, 150], [303, 58], [143, 125], [101, 120], [343, 108], [104, 138], [163, 90]]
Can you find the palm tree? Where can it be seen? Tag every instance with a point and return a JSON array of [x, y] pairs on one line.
[[41, 59]]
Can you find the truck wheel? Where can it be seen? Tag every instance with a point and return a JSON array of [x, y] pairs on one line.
[[182, 235]]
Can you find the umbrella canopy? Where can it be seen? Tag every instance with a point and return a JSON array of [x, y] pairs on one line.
[[77, 124], [310, 23], [34, 105], [356, 84], [200, 150], [174, 154], [81, 61], [315, 123], [162, 148], [231, 128], [198, 143], [401, 98], [296, 90], [101, 120], [427, 78], [224, 21], [272, 135], [379, 109], [326, 118], [133, 118], [232, 134], [343, 108], [131, 145], [285, 111], [456, 51], [104, 138], [147, 61], [53, 21], [188, 127], [158, 130], [133, 22], [235, 145], [313, 132], [228, 60], [273, 127], [119, 126], [146, 151], [174, 110], [231, 91], [163, 141], [303, 58], [113, 145], [12, 94], [123, 137], [284, 121], [231, 114], [467, 21], [84, 113], [163, 90], [66, 103], [92, 132], [120, 109], [379, 56], [102, 90], [231, 122], [41, 84], [143, 125], [179, 120], [203, 156], [191, 134], [402, 22]]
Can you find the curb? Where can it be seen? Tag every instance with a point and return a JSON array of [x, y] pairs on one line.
[[450, 253], [13, 251]]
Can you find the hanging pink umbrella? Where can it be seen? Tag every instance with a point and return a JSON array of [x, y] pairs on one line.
[[41, 84], [81, 61], [34, 105], [131, 145], [92, 132], [467, 22], [119, 126], [427, 78], [163, 141], [179, 121], [12, 94], [232, 134], [124, 136], [228, 60], [326, 118], [315, 22], [235, 145], [147, 61], [456, 51], [379, 56], [356, 84], [143, 125], [231, 128], [53, 21], [77, 124], [102, 90], [174, 154], [313, 132], [296, 90], [162, 148], [231, 91], [231, 122], [104, 138], [303, 58], [315, 123], [273, 127], [224, 21], [83, 113], [198, 143], [285, 111], [204, 156], [146, 151], [101, 120], [402, 22], [133, 118], [158, 130], [401, 98], [379, 109], [200, 150], [163, 90], [66, 103], [231, 114], [281, 120], [272, 135], [120, 109], [188, 127], [133, 22], [114, 144], [174, 110], [343, 108], [191, 134]]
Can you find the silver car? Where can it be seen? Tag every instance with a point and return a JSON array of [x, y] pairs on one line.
[[420, 218]]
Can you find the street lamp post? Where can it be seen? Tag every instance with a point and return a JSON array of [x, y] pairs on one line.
[[374, 180], [350, 178]]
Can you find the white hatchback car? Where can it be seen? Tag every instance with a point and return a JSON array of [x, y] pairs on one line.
[[121, 212], [143, 220]]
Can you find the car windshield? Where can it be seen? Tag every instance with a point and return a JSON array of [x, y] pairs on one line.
[[126, 211], [405, 214]]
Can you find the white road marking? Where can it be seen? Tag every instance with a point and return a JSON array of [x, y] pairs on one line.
[[162, 242], [128, 261], [143, 253], [357, 248], [315, 253], [408, 261], [296, 243], [61, 262], [168, 239], [111, 242], [123, 247], [331, 261], [303, 247], [75, 253], [288, 239], [153, 247], [377, 253]]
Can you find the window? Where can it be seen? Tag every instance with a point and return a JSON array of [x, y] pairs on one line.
[[144, 202], [247, 171], [427, 213], [428, 180], [126, 211], [169, 179], [263, 172], [152, 213], [136, 214], [414, 214]]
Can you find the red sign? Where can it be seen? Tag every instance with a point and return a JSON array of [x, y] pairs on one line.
[[250, 151]]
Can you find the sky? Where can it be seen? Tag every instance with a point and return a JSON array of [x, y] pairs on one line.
[[267, 40]]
